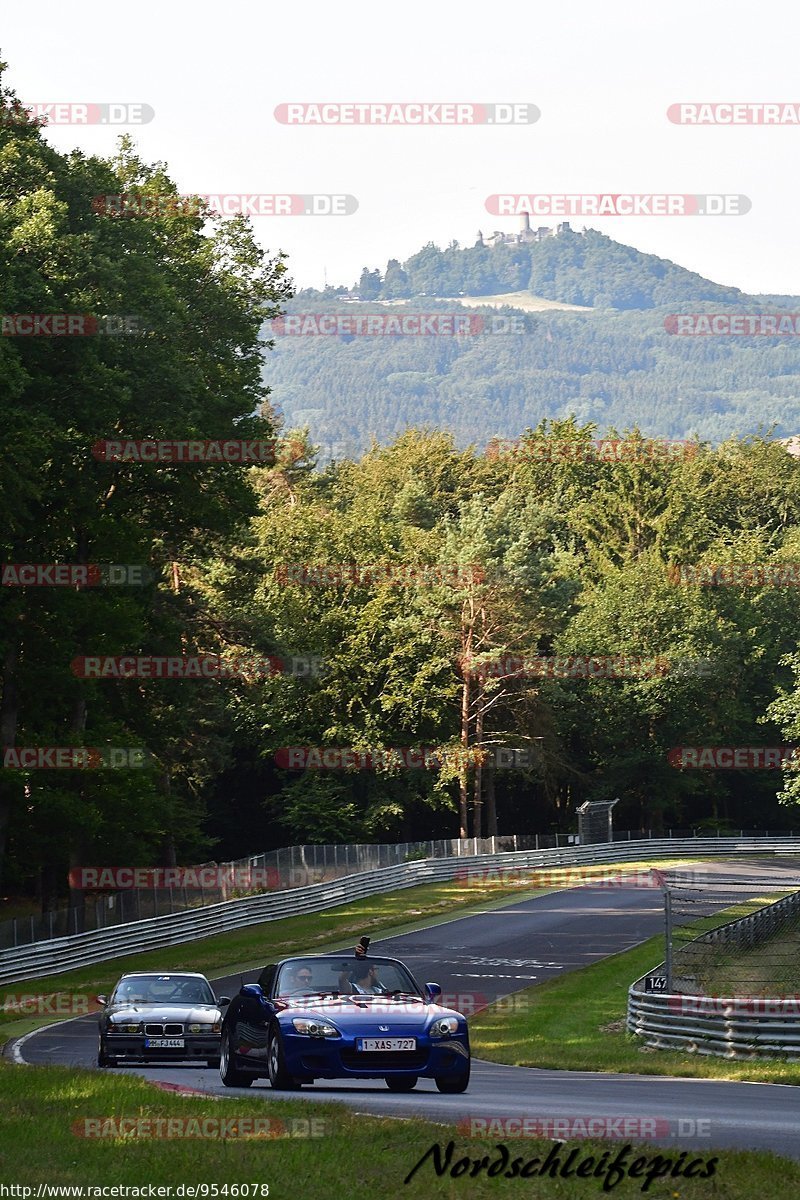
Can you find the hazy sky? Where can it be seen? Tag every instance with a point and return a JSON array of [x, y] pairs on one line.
[[602, 76]]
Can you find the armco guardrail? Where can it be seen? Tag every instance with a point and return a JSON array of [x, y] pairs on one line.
[[40, 959], [725, 1026], [720, 1025]]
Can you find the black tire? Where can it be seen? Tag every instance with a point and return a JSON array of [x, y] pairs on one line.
[[397, 1084], [227, 1071], [451, 1084], [279, 1077], [103, 1059]]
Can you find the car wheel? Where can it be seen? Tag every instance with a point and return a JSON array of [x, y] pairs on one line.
[[279, 1076], [397, 1084], [228, 1073], [103, 1059], [453, 1083]]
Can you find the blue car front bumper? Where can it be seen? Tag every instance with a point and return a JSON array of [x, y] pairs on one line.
[[338, 1058]]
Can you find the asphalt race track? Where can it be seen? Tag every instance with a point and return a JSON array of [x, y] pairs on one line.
[[491, 954]]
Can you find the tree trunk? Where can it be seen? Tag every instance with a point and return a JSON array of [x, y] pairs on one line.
[[168, 854], [491, 810], [477, 820], [77, 727], [48, 888], [462, 775], [9, 711]]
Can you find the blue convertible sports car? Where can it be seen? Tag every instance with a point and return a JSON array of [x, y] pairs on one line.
[[340, 1017]]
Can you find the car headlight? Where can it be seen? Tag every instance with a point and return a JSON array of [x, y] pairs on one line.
[[443, 1027], [206, 1027], [124, 1027], [314, 1028]]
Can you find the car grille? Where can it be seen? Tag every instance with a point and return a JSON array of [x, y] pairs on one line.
[[398, 1060], [168, 1030]]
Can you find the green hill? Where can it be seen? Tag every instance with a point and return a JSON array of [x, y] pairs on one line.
[[613, 363]]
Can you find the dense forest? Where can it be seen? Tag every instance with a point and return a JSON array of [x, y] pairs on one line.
[[384, 590]]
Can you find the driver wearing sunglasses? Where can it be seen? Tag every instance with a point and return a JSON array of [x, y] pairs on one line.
[[302, 978]]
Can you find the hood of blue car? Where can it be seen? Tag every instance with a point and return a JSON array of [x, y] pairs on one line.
[[366, 1013]]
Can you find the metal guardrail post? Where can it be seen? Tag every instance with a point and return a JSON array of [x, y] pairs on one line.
[[668, 937]]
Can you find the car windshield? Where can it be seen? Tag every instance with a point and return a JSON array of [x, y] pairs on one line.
[[163, 989], [345, 976]]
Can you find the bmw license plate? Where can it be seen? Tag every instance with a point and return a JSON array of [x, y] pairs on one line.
[[163, 1043], [386, 1044]]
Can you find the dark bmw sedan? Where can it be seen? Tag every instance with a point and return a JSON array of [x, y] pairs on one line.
[[160, 1018]]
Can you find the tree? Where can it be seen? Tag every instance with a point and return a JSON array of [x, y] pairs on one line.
[[369, 285], [191, 369]]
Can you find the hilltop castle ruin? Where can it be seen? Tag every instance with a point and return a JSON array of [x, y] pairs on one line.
[[526, 234]]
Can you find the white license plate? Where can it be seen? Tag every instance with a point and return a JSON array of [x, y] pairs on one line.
[[163, 1043], [386, 1044]]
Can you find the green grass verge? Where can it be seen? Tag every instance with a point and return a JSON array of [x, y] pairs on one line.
[[352, 1155], [577, 1023]]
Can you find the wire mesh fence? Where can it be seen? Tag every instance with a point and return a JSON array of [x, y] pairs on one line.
[[214, 883], [736, 933], [278, 870]]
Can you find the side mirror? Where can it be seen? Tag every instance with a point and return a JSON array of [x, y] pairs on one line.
[[101, 999], [223, 1000], [433, 990], [254, 990]]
